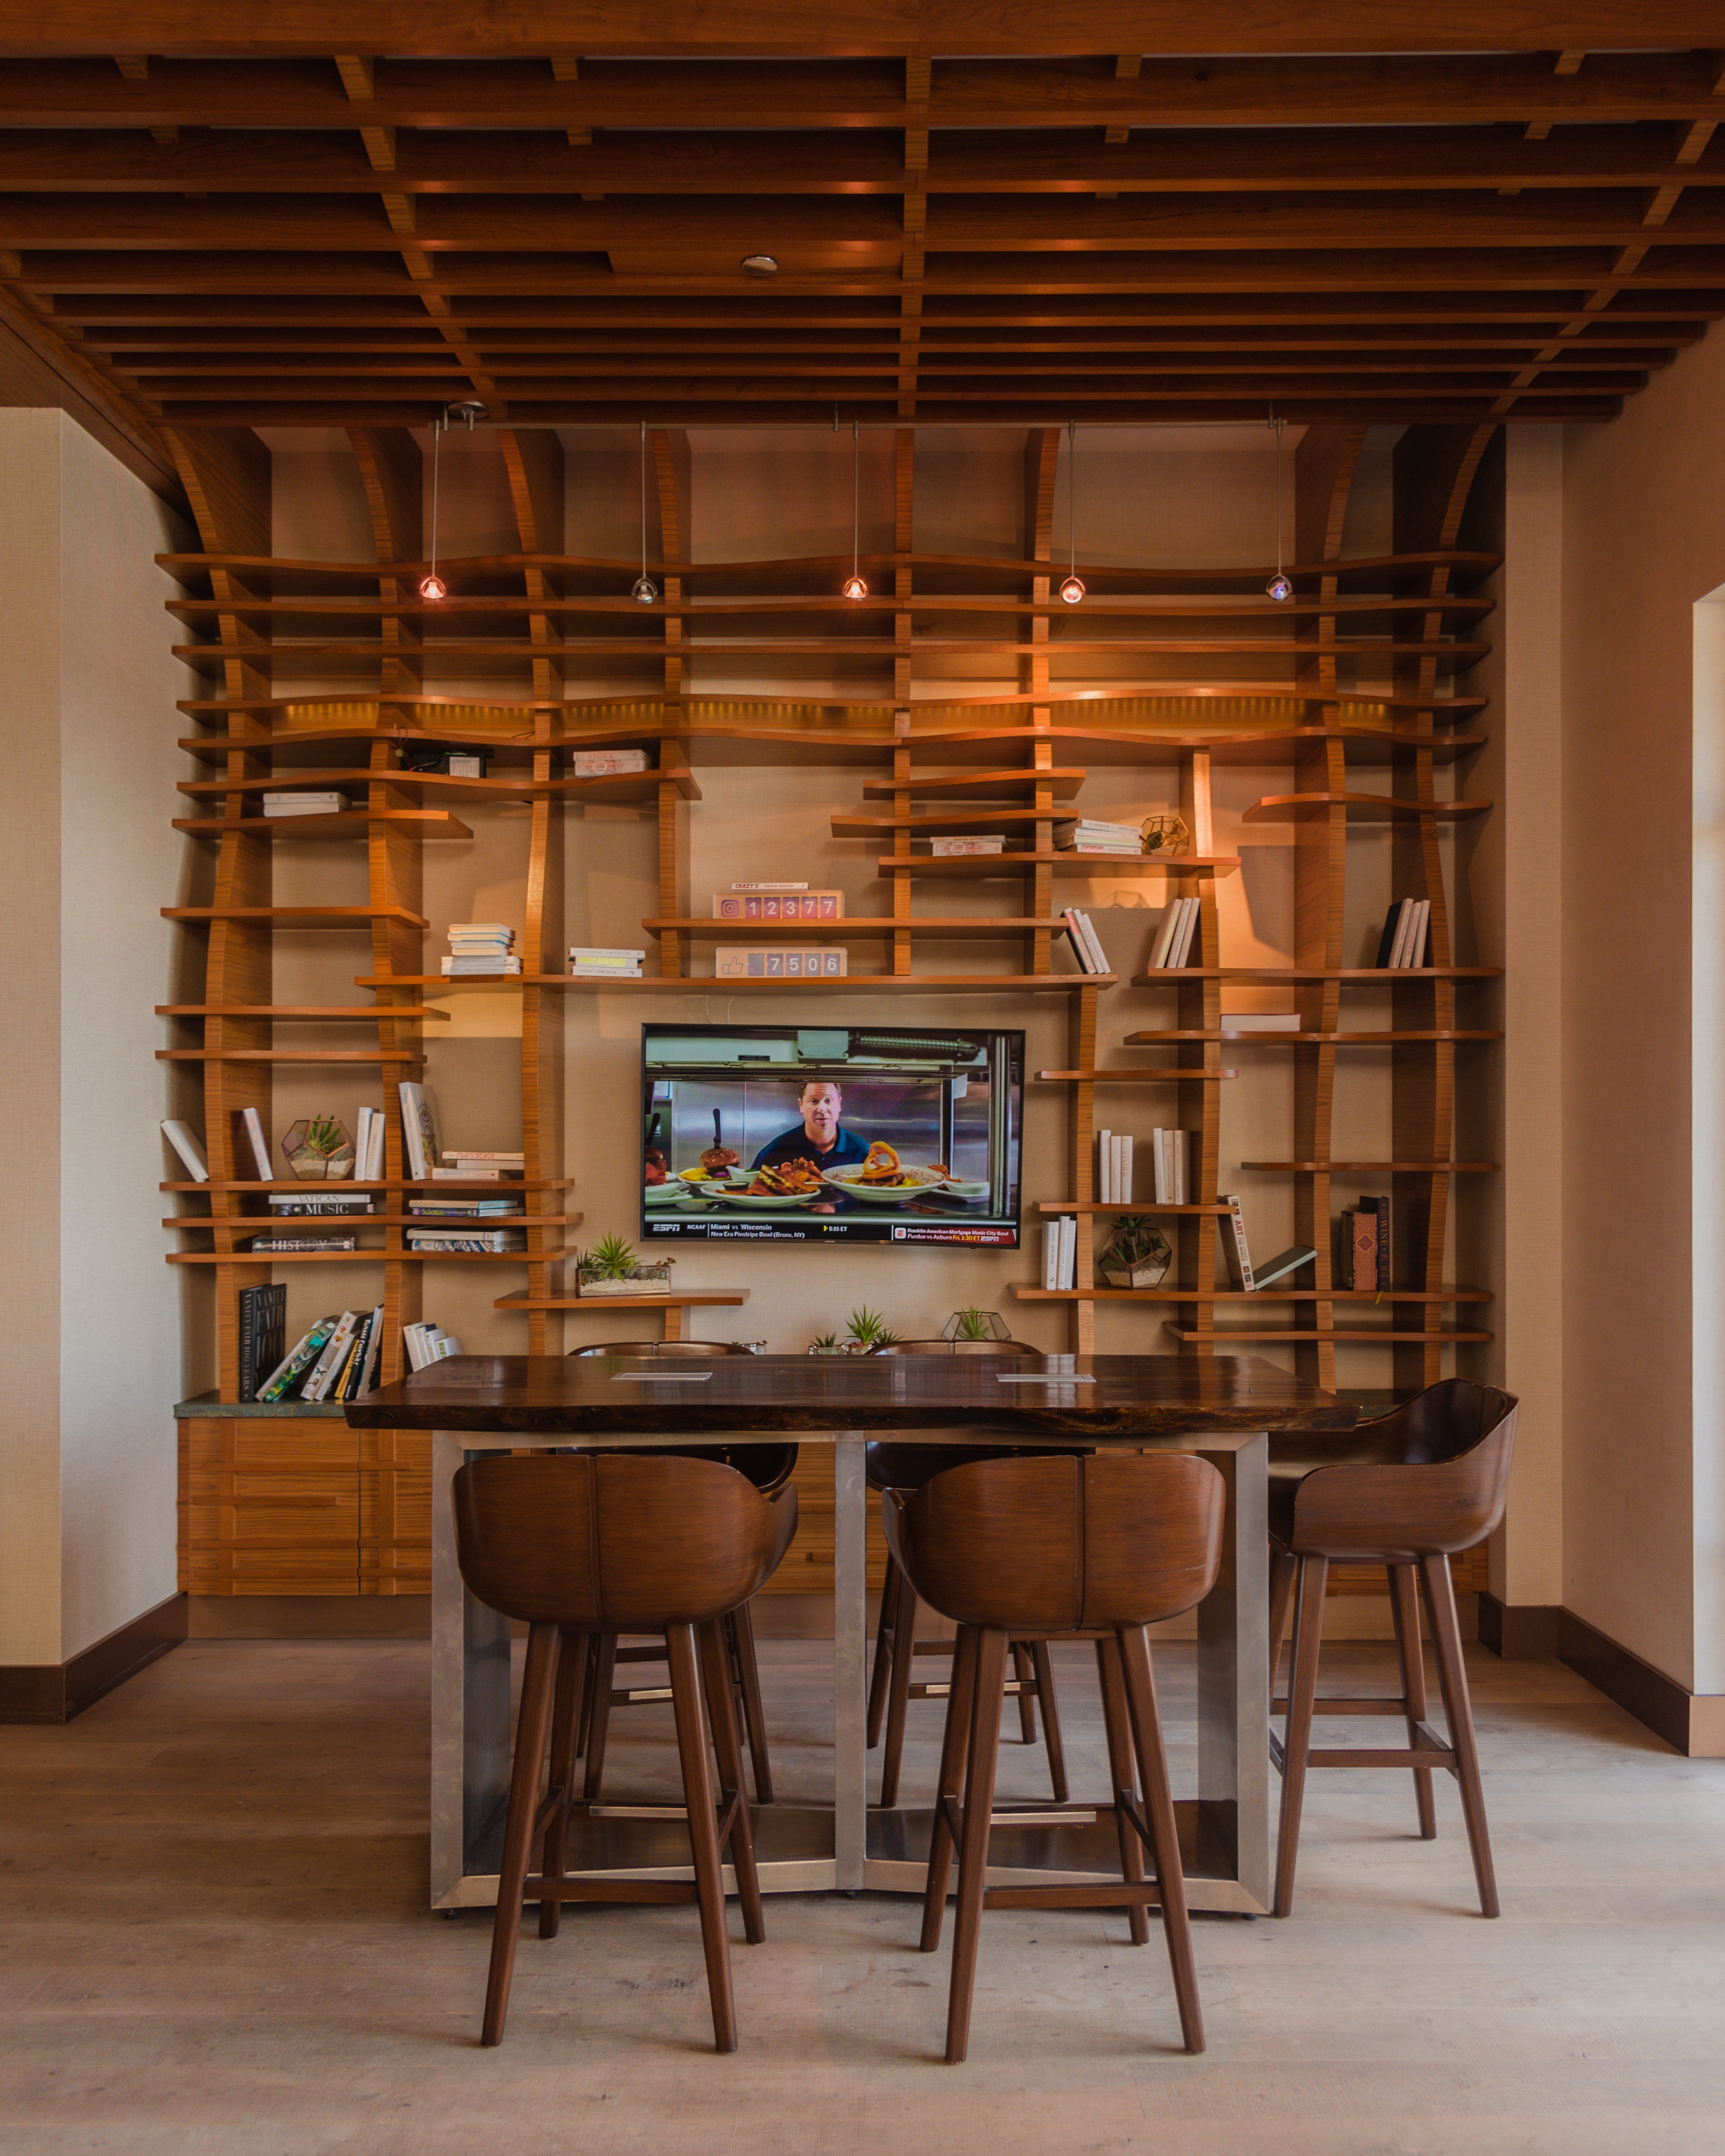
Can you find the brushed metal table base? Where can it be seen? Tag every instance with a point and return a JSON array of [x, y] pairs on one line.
[[802, 1849]]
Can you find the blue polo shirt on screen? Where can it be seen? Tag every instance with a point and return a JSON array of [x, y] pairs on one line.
[[795, 1144]]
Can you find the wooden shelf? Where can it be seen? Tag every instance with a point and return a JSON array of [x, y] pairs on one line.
[[290, 1056], [1169, 1074], [856, 928], [597, 1303], [955, 823], [258, 1223], [1274, 976], [1371, 1166], [623, 786], [1087, 1205], [468, 1187], [346, 823], [1361, 807], [371, 1257], [1062, 781], [707, 985], [1063, 864], [1324, 1039], [1190, 1334], [310, 916], [1272, 1294], [308, 1014]]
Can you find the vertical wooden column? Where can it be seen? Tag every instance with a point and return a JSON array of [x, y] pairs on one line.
[[1041, 463], [392, 470], [1323, 473], [673, 755], [226, 473], [904, 541], [1434, 468], [534, 465], [1081, 1055], [1200, 1007]]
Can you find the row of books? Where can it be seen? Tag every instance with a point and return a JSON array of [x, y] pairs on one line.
[[1060, 1252], [1089, 835], [481, 948], [315, 802], [428, 1343], [1407, 932], [337, 1360], [1174, 941], [961, 846], [1086, 944], [1169, 1151], [596, 959]]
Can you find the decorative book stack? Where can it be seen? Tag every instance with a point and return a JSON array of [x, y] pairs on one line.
[[596, 961], [1086, 834], [480, 947], [304, 804]]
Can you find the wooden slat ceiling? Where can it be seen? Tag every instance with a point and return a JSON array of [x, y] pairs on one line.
[[230, 216]]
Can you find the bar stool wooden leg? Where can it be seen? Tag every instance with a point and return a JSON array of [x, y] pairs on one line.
[[948, 1786], [1042, 1663], [703, 1829], [881, 1668], [1458, 1710], [603, 1677], [721, 1713], [1134, 1650], [987, 1698], [898, 1699], [1297, 1730], [565, 1719], [1404, 1609], [1024, 1671], [1123, 1779], [1283, 1568], [741, 1626], [518, 1834], [589, 1689]]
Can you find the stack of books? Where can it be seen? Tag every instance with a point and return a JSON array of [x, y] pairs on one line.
[[304, 804], [263, 1318], [428, 1344], [1060, 1252], [1173, 941], [337, 1360], [960, 849], [480, 947], [471, 1167], [1086, 834], [1168, 1151], [596, 961], [318, 1201], [609, 763], [1406, 932], [1114, 1168], [486, 1241], [465, 1224]]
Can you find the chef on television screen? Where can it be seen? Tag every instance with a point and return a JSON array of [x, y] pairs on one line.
[[820, 1136]]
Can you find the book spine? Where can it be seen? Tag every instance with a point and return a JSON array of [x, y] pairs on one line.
[[1386, 941], [1404, 932], [1081, 949], [1050, 1253], [1236, 1255], [1105, 1168], [1087, 929], [1189, 924], [259, 1143], [180, 1136], [248, 1343], [1164, 936]]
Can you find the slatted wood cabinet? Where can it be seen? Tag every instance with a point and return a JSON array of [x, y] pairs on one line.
[[1357, 687]]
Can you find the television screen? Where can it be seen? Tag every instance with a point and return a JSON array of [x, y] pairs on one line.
[[831, 1134]]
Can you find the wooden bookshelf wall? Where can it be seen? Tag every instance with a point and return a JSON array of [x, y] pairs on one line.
[[1357, 687]]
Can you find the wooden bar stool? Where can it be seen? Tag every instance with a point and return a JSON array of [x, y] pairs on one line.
[[594, 1543], [769, 1467], [1405, 1492], [892, 1682], [1098, 1546]]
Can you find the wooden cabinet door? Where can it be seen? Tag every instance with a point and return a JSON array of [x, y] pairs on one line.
[[395, 1511], [269, 1506]]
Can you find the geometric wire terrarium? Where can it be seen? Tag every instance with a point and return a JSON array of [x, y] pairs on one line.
[[319, 1149]]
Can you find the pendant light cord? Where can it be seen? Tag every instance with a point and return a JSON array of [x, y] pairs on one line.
[[643, 502], [437, 446], [855, 501], [1072, 496], [1278, 424]]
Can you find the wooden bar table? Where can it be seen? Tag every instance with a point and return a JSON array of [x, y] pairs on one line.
[[1221, 1408]]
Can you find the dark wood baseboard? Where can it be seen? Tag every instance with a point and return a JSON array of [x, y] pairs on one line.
[[56, 1692], [1652, 1697], [311, 1617], [1520, 1631]]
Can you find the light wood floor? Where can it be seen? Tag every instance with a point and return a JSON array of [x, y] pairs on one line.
[[214, 1939]]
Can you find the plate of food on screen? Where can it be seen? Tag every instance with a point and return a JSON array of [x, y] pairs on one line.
[[885, 1180], [787, 1183]]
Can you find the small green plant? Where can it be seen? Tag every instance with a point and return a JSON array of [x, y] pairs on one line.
[[1135, 1241], [323, 1136], [869, 1329], [611, 1258], [973, 1324], [825, 1340]]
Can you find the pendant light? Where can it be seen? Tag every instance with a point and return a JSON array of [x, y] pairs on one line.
[[432, 588], [1280, 586], [1072, 590], [854, 587], [644, 588]]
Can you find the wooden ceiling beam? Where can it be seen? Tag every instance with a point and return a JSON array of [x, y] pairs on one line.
[[1367, 88]]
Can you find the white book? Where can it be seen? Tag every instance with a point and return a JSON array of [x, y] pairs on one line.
[[1105, 1168], [184, 1141], [1069, 1250], [1183, 1148], [1159, 1158], [1099, 956], [416, 1339], [1416, 942], [1050, 1253], [1171, 919], [1404, 933], [259, 1143], [324, 1370], [1182, 952], [1074, 936], [1125, 1171], [362, 1142], [374, 1151], [446, 1344], [606, 954], [419, 1130], [1235, 1255]]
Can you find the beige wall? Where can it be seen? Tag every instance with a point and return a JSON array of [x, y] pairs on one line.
[[87, 692], [1644, 539]]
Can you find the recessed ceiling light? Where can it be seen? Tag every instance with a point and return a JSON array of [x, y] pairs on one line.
[[760, 265]]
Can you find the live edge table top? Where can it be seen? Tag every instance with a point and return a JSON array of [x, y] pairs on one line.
[[602, 1396]]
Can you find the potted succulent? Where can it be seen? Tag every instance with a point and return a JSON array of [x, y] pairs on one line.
[[826, 1343], [319, 1149], [611, 1267], [868, 1330], [1137, 1254], [971, 1323]]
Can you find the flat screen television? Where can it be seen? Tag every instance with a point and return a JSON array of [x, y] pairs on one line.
[[831, 1134]]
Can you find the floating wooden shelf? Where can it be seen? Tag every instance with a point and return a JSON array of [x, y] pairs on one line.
[[345, 823], [258, 1223], [1063, 782], [1274, 976], [1324, 1039], [1087, 1205], [1272, 1294], [955, 823], [1168, 1075], [1063, 864], [288, 917], [1361, 807], [308, 1014], [601, 1302], [623, 786], [707, 985], [1221, 1337], [858, 928], [471, 1186], [372, 1257], [290, 1056], [1371, 1166]]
